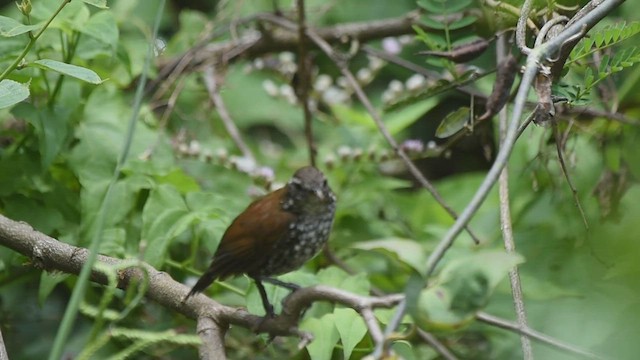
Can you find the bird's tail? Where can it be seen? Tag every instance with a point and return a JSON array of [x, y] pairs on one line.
[[204, 281]]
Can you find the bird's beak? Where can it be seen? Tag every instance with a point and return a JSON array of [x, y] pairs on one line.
[[320, 194]]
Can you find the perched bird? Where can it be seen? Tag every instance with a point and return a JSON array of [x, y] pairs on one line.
[[276, 234]]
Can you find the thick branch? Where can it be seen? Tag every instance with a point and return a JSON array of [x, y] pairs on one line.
[[50, 254]]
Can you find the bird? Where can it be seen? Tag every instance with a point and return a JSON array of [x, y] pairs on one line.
[[275, 234]]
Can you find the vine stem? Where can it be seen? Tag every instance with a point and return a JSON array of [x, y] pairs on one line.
[[71, 311]]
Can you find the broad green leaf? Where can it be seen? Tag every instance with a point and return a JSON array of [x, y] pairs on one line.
[[164, 217], [351, 328], [464, 287], [10, 27], [74, 71], [12, 92], [399, 120], [102, 4], [325, 336], [352, 116], [51, 127], [409, 252], [178, 178], [453, 122], [102, 26], [48, 282]]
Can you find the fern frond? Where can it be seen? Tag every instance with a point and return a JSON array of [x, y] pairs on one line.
[[604, 38]]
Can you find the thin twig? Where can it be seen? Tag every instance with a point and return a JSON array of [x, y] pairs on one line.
[[565, 172], [535, 335], [302, 87], [211, 82], [372, 324], [162, 125], [506, 224], [437, 345]]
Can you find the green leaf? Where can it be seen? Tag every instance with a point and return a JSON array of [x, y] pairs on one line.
[[464, 287], [74, 71], [407, 251], [164, 217], [10, 27], [102, 4], [325, 336], [399, 120], [464, 22], [12, 92], [180, 180], [51, 128], [453, 122], [48, 282], [434, 24], [351, 328], [102, 26]]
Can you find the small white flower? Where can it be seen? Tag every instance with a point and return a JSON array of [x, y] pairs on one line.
[[270, 87], [415, 82], [396, 86], [405, 39], [333, 95], [391, 45], [287, 57], [375, 63], [258, 63], [322, 83], [364, 76]]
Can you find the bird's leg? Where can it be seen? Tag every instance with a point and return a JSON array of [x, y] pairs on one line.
[[268, 308], [286, 285]]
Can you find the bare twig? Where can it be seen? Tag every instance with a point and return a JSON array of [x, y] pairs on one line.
[[533, 334], [591, 112], [212, 83], [436, 345], [162, 125], [565, 171], [302, 87], [506, 224], [372, 324]]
